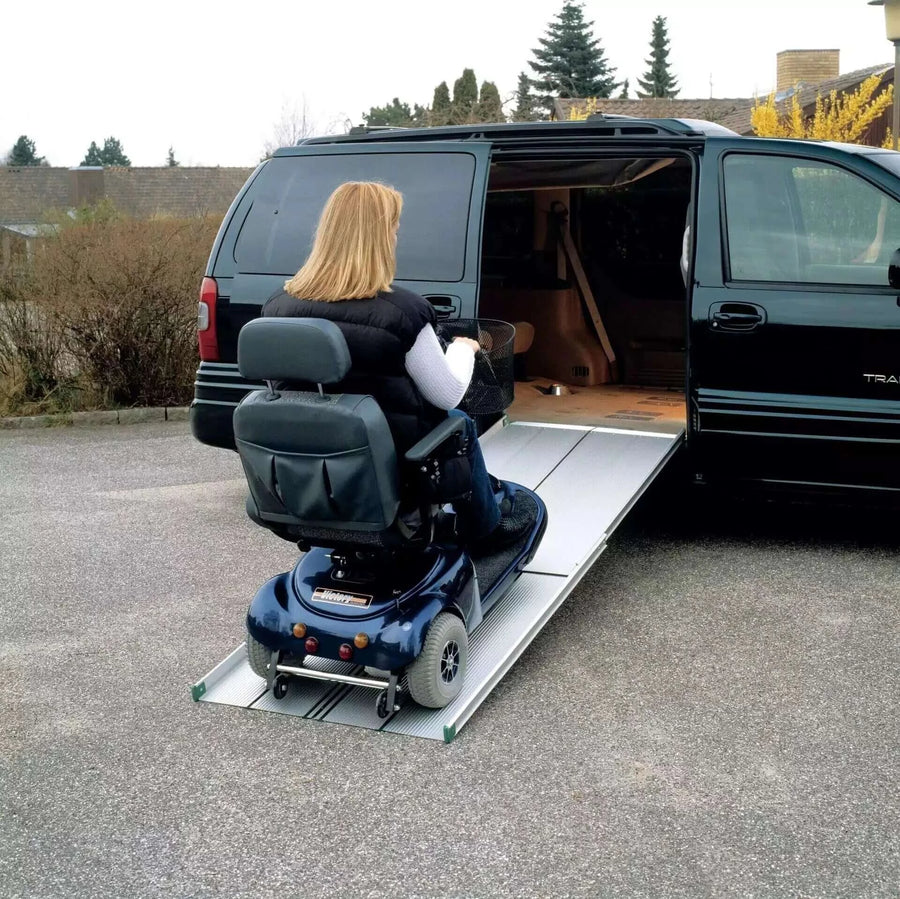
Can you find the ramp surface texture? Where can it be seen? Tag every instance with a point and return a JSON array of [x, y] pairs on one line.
[[589, 478]]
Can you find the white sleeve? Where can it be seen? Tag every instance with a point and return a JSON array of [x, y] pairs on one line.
[[442, 378]]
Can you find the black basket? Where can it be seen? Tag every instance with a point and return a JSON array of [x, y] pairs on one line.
[[491, 390]]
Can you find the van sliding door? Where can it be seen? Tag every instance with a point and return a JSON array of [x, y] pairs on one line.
[[439, 244], [795, 330]]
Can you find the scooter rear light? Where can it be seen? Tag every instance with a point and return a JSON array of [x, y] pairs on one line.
[[299, 630], [207, 337], [345, 651], [361, 641], [311, 645]]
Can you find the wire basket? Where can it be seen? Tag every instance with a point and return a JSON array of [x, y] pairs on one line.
[[491, 389]]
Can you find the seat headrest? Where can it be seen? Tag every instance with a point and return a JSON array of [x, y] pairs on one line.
[[293, 349]]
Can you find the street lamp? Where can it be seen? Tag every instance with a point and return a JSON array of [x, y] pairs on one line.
[[892, 30]]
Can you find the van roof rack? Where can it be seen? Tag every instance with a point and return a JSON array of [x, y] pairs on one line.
[[597, 125], [371, 129], [627, 123]]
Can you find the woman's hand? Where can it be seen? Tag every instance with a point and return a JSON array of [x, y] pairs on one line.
[[473, 344]]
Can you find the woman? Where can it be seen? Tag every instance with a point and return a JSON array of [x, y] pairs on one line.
[[395, 353]]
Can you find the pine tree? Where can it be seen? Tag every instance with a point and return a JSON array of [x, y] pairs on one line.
[[570, 62], [171, 161], [465, 97], [440, 105], [524, 111], [111, 153], [490, 107], [24, 152], [394, 114], [658, 81], [92, 157], [624, 94]]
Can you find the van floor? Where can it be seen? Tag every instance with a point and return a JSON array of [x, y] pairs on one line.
[[610, 405]]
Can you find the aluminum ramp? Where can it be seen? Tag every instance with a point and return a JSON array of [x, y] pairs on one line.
[[589, 478]]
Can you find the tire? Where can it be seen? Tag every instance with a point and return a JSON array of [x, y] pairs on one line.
[[436, 676], [259, 656]]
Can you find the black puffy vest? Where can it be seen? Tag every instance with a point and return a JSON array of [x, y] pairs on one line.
[[379, 332]]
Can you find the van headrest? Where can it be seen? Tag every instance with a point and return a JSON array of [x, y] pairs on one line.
[[293, 349]]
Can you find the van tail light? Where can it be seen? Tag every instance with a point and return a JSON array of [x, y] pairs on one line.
[[207, 337]]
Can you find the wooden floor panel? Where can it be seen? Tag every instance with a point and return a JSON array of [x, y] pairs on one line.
[[609, 405]]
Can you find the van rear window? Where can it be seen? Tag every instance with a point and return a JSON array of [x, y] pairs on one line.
[[290, 191]]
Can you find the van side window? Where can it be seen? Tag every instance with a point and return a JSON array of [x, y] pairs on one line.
[[807, 222], [290, 191]]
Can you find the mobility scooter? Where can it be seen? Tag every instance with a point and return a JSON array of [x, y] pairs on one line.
[[388, 590]]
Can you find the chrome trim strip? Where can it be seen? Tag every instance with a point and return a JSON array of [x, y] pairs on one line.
[[331, 676]]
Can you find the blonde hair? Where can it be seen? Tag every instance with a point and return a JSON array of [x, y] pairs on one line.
[[354, 253]]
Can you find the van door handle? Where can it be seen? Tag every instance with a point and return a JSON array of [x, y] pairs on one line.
[[736, 316], [444, 306]]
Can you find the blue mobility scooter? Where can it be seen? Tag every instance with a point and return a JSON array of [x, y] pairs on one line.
[[386, 582]]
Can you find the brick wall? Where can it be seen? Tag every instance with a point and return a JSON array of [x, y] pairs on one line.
[[807, 66]]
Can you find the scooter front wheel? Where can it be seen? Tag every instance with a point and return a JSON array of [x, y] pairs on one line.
[[435, 678]]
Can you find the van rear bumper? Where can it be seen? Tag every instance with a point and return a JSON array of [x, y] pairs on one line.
[[212, 425], [218, 388]]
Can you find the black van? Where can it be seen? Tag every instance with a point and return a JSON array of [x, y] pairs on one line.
[[678, 278]]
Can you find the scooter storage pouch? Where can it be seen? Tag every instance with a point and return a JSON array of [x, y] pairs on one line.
[[312, 460]]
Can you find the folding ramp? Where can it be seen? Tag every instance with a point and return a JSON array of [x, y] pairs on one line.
[[589, 477]]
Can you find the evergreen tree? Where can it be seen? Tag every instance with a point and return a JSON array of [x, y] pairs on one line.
[[658, 81], [171, 161], [524, 111], [92, 157], [570, 62], [490, 107], [624, 94], [110, 154], [465, 97], [113, 153], [24, 152], [440, 105], [396, 115]]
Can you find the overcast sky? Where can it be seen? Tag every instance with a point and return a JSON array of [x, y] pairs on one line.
[[214, 79]]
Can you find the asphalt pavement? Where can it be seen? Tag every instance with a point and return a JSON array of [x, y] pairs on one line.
[[713, 712]]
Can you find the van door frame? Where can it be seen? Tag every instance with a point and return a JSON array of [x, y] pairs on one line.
[[658, 146]]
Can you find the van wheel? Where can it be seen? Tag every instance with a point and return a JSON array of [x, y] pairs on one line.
[[259, 657], [436, 676]]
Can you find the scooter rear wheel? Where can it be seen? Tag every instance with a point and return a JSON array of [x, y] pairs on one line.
[[259, 656], [436, 676]]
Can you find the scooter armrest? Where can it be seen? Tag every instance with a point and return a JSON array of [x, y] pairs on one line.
[[434, 438]]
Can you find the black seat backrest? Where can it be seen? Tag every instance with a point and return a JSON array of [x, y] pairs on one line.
[[314, 462]]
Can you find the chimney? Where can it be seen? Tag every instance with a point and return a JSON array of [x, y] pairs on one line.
[[86, 185], [807, 67]]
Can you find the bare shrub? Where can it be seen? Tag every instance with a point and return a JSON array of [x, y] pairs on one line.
[[33, 372], [124, 296]]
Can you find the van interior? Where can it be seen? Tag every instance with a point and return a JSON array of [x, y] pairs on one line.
[[601, 311]]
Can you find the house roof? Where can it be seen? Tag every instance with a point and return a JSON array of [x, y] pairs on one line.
[[29, 193], [712, 110], [733, 113]]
